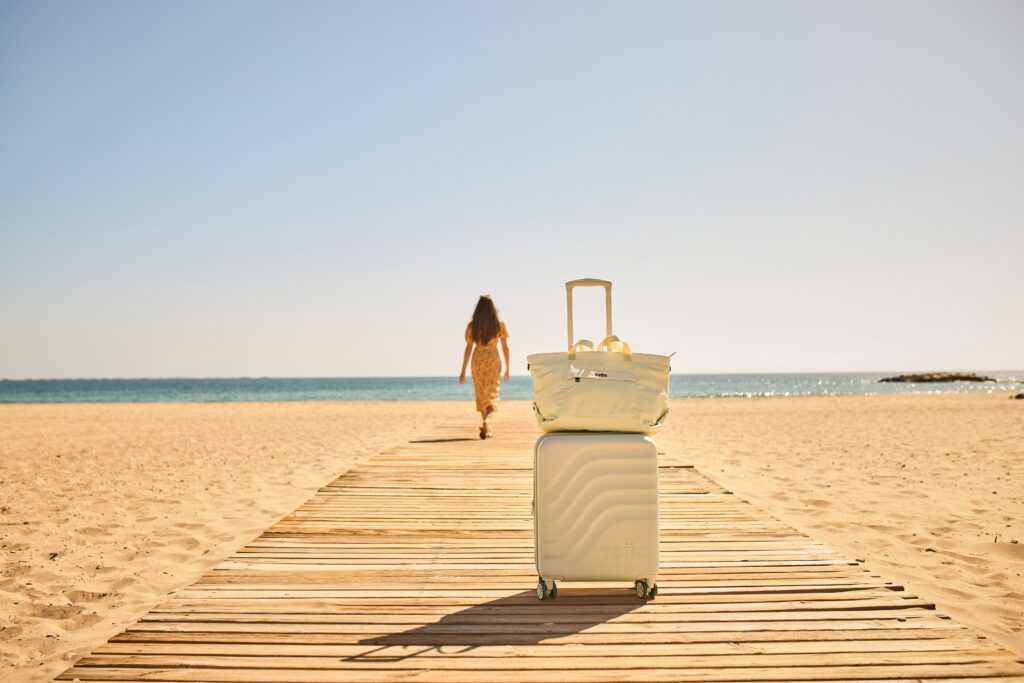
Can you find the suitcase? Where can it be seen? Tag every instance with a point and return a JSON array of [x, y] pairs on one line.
[[595, 510]]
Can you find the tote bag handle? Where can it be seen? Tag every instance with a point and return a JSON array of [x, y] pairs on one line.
[[589, 282]]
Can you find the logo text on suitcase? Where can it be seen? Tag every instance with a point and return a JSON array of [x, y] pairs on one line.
[[624, 551]]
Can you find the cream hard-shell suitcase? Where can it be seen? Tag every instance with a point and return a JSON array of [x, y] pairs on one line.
[[595, 504]]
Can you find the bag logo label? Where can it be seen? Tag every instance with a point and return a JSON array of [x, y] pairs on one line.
[[614, 375]]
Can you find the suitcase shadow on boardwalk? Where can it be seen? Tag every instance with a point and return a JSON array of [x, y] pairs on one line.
[[519, 619]]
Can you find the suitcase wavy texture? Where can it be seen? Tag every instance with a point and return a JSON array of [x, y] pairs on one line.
[[596, 507]]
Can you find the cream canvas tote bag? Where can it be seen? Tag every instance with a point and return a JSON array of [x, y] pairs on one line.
[[602, 388]]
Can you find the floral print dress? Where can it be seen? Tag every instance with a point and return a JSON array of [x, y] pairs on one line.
[[486, 367]]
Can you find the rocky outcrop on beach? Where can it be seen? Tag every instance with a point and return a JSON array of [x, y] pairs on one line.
[[939, 377]]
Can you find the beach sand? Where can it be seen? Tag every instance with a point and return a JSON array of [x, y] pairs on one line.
[[107, 508], [104, 509], [927, 490]]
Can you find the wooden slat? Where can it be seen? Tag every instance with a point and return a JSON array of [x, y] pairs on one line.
[[418, 566]]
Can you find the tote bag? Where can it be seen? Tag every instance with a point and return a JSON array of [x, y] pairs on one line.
[[599, 388]]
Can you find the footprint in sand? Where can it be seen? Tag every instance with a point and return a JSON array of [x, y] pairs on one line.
[[186, 542], [82, 621], [57, 611], [42, 576], [900, 517], [10, 585], [80, 596], [970, 560], [10, 632], [959, 594], [978, 570], [1011, 551], [121, 583]]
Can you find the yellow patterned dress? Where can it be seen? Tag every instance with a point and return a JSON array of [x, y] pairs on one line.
[[486, 369]]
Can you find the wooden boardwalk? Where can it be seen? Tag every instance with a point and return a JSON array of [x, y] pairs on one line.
[[419, 566]]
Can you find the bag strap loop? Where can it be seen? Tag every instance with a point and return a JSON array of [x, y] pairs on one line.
[[582, 344], [613, 343]]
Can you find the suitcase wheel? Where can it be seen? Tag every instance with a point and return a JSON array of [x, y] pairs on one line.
[[542, 590], [643, 592]]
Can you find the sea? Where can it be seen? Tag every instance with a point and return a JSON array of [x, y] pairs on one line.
[[247, 389]]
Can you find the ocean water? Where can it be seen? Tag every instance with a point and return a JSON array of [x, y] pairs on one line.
[[448, 388]]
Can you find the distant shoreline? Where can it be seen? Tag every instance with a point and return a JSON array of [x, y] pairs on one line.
[[290, 390], [183, 378]]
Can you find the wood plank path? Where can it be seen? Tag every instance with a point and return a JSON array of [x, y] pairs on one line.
[[418, 566]]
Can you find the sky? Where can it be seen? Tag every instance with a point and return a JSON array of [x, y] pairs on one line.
[[303, 189]]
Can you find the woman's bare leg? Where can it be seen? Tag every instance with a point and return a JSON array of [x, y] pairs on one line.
[[488, 411]]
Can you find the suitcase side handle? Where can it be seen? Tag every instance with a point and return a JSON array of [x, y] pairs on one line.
[[589, 282]]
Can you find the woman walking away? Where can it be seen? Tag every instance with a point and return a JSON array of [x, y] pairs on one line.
[[482, 335]]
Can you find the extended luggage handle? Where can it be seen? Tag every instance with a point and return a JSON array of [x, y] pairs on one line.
[[588, 282]]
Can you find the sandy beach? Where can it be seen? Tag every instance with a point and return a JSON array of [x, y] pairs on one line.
[[927, 490], [107, 508]]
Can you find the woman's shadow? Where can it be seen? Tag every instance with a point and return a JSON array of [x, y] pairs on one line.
[[519, 619]]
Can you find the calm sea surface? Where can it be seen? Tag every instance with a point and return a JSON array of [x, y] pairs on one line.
[[448, 388]]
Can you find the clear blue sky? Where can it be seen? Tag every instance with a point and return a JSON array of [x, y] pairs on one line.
[[324, 188]]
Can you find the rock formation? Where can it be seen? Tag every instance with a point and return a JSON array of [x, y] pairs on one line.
[[939, 377]]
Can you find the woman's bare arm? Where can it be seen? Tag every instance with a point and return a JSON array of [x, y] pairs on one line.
[[504, 351], [465, 362]]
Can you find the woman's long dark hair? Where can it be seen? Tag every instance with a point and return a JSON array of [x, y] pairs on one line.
[[485, 321]]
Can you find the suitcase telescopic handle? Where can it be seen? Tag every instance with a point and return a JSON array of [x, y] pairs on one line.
[[589, 282]]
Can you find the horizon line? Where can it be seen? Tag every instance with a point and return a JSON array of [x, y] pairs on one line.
[[455, 377]]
